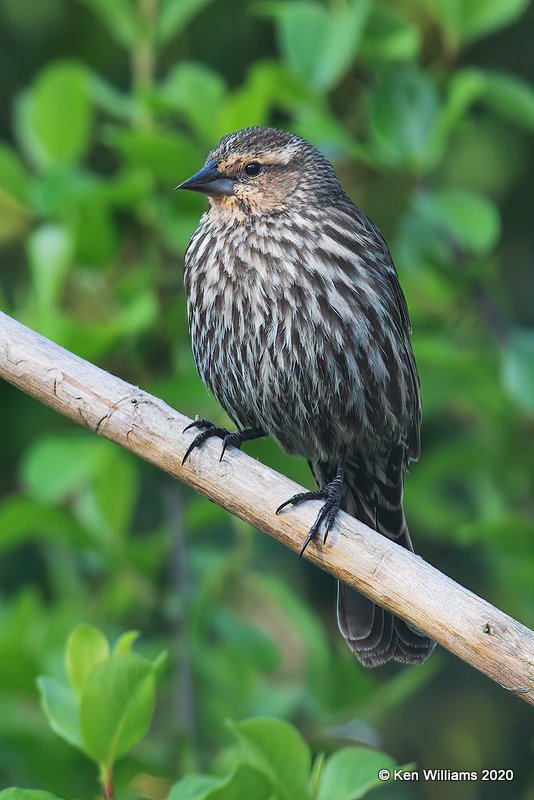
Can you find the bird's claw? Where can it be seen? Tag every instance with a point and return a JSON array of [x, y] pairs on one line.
[[207, 430], [199, 422], [297, 499], [233, 439], [331, 494]]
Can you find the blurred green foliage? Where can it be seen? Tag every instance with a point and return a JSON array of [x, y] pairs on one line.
[[427, 109], [108, 704], [107, 707]]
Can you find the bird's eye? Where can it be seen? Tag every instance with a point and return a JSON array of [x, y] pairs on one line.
[[252, 169]]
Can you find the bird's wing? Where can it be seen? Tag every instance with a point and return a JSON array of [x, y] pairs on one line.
[[374, 257]]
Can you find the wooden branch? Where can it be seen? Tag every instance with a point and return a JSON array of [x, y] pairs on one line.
[[398, 580]]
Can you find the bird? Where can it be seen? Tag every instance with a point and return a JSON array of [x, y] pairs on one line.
[[300, 329]]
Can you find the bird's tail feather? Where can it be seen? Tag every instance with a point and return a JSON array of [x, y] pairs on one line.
[[373, 494]]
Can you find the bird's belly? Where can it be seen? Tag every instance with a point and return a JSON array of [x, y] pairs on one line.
[[306, 375], [311, 411], [228, 364], [310, 404]]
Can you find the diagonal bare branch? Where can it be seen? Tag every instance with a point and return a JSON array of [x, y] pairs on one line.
[[402, 582]]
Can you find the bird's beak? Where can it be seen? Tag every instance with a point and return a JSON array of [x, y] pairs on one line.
[[209, 180]]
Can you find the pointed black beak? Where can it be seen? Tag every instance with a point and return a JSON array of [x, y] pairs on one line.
[[209, 180]]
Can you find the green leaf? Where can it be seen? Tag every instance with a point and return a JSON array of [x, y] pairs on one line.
[[319, 44], [86, 647], [110, 99], [175, 16], [388, 36], [61, 708], [276, 748], [351, 772], [402, 118], [14, 217], [116, 706], [470, 219], [106, 508], [194, 787], [248, 641], [118, 17], [466, 20], [126, 641], [57, 119], [316, 772], [50, 249], [26, 794], [164, 154], [282, 601], [160, 660], [13, 176], [64, 190], [268, 85], [243, 782], [510, 97], [518, 368], [191, 89], [22, 519], [97, 241], [320, 126], [465, 86], [480, 17], [115, 490], [57, 466]]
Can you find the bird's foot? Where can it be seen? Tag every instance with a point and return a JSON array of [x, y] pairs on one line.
[[229, 438], [332, 494]]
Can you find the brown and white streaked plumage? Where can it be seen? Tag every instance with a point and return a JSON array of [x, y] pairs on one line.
[[300, 329]]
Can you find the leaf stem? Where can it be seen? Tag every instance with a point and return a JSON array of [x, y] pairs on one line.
[[106, 778], [143, 59]]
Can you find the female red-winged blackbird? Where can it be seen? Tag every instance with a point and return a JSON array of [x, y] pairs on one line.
[[300, 329]]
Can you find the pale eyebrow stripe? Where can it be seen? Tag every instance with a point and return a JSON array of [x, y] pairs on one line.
[[266, 160]]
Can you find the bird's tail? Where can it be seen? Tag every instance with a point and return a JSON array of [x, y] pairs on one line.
[[373, 494]]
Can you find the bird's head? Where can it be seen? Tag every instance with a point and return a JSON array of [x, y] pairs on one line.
[[259, 171]]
